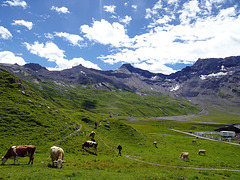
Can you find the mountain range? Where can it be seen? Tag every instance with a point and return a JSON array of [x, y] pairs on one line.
[[212, 81]]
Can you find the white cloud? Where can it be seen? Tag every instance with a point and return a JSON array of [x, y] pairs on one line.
[[172, 1], [9, 58], [189, 11], [154, 10], [23, 4], [51, 52], [72, 38], [48, 35], [27, 24], [106, 33], [134, 7], [4, 33], [126, 20], [196, 36], [110, 9], [63, 10], [155, 67], [229, 12]]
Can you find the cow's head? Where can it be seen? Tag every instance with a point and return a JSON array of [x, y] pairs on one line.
[[59, 163]]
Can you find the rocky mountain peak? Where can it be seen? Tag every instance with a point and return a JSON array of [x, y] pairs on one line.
[[34, 66], [214, 65], [125, 68]]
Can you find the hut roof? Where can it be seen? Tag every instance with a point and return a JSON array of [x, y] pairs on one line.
[[234, 127]]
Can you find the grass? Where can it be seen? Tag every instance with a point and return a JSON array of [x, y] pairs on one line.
[[106, 165], [64, 116]]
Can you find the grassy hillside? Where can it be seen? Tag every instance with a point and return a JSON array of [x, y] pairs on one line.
[[121, 103], [46, 114], [26, 117], [38, 113]]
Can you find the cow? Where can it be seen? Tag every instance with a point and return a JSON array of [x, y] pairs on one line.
[[90, 144], [57, 154], [202, 151], [184, 156], [194, 141], [92, 134], [155, 144], [21, 151]]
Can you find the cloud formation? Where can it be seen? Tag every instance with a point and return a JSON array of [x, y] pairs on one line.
[[27, 24], [4, 33], [199, 34], [9, 58], [72, 38], [106, 33], [63, 10], [110, 9], [161, 37], [52, 53], [126, 20], [20, 3]]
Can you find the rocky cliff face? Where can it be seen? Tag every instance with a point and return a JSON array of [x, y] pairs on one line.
[[209, 77], [213, 80]]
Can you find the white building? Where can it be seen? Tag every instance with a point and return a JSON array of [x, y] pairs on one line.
[[227, 133]]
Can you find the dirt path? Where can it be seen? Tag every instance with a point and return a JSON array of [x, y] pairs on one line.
[[185, 167], [80, 127]]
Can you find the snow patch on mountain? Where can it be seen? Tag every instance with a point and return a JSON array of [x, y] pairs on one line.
[[216, 75]]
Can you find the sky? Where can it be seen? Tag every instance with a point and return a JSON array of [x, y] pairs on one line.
[[161, 36]]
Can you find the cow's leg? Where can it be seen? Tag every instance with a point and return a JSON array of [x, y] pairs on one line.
[[31, 159], [15, 158]]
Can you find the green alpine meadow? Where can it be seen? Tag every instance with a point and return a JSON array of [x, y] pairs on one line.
[[48, 113]]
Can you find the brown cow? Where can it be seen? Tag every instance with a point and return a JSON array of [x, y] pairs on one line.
[[203, 151], [57, 154], [194, 141], [90, 144], [21, 151], [184, 156]]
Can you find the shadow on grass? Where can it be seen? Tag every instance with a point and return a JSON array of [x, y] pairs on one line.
[[89, 152]]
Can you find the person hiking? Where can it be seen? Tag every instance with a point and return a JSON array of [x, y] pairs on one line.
[[119, 150]]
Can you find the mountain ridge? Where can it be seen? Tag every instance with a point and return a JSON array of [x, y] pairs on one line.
[[217, 79]]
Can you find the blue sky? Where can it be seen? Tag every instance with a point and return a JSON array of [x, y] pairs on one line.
[[160, 36]]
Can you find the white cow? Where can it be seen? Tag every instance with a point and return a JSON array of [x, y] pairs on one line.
[[202, 151], [57, 154], [184, 156]]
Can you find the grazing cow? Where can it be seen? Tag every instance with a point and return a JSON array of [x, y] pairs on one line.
[[90, 144], [21, 151], [194, 141], [57, 154], [155, 144], [92, 134], [184, 156], [202, 151]]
